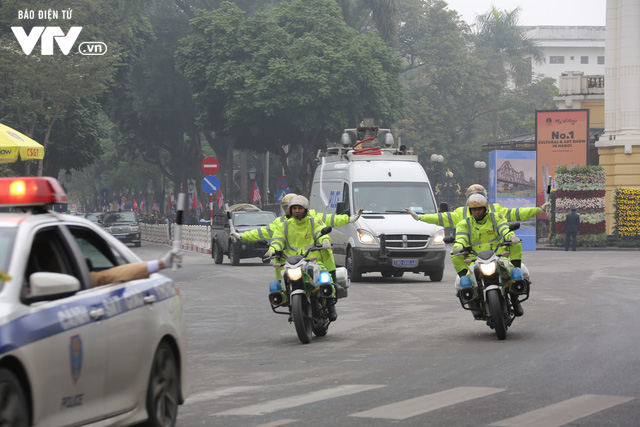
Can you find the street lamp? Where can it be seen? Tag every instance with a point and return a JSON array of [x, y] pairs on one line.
[[67, 175], [437, 159], [479, 165], [252, 173]]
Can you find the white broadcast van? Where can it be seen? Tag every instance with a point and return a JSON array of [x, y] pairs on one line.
[[383, 182]]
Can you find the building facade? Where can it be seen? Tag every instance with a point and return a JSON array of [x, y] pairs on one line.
[[569, 49]]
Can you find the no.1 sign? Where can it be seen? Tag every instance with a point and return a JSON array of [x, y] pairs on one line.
[[210, 166]]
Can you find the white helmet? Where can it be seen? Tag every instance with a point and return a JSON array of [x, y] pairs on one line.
[[477, 201], [298, 200]]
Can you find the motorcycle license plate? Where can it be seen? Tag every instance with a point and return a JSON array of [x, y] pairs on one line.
[[405, 263]]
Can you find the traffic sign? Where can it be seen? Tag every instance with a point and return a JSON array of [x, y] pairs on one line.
[[210, 184], [210, 166], [281, 192], [283, 182]]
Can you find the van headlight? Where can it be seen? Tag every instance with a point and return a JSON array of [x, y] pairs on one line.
[[365, 237], [438, 238]]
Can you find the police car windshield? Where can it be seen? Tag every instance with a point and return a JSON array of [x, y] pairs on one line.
[[248, 219], [7, 237], [393, 197]]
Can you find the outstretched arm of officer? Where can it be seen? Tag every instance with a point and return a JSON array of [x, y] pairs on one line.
[[235, 236], [545, 208], [413, 214], [354, 218], [168, 258]]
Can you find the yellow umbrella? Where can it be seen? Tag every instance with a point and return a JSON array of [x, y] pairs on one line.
[[13, 143]]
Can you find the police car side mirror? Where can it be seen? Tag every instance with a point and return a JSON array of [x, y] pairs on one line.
[[52, 284]]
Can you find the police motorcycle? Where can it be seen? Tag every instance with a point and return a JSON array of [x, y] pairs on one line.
[[488, 292], [305, 291]]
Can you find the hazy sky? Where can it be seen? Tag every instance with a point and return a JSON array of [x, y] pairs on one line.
[[538, 12]]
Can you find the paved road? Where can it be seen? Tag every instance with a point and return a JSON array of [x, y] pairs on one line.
[[403, 352]]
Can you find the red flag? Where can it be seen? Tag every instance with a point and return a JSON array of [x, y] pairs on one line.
[[135, 205], [142, 205], [255, 193], [220, 198], [155, 206]]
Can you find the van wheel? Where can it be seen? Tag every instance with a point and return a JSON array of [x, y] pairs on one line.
[[385, 273], [355, 275], [398, 273], [437, 277]]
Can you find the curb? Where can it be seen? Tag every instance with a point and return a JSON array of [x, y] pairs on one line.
[[579, 249]]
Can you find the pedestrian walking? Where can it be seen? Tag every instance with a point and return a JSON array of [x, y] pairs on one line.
[[572, 226]]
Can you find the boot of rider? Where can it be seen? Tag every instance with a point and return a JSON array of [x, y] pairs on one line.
[[517, 307], [331, 308]]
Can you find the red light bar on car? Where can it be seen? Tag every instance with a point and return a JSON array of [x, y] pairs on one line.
[[31, 191]]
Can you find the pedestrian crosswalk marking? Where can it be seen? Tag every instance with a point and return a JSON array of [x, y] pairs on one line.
[[293, 401], [213, 395], [565, 412], [427, 403]]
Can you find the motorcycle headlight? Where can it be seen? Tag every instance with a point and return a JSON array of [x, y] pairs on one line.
[[325, 277], [295, 273], [438, 238], [488, 269], [365, 237]]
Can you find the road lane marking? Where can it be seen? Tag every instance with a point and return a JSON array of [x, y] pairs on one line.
[[564, 412], [427, 403], [216, 394], [278, 423], [293, 401]]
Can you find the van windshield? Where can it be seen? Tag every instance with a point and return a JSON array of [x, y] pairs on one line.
[[393, 197]]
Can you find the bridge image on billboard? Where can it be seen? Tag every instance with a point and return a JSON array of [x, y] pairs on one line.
[[512, 184]]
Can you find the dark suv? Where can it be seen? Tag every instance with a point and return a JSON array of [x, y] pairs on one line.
[[124, 226]]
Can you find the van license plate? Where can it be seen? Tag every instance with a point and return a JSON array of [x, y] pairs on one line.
[[405, 263]]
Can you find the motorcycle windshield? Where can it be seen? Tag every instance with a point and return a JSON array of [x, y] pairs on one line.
[[486, 254]]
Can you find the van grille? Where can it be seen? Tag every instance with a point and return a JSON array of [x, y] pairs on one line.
[[407, 241]]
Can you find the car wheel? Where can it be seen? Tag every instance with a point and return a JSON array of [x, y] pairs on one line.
[[13, 403], [162, 391], [138, 244], [398, 273], [216, 253], [234, 256], [386, 273]]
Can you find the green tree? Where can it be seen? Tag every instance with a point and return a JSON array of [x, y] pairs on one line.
[[377, 15], [293, 77], [447, 90], [499, 36]]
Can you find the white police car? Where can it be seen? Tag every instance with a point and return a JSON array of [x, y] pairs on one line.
[[71, 353]]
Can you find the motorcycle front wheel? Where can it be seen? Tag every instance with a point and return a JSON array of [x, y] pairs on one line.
[[301, 312], [497, 316]]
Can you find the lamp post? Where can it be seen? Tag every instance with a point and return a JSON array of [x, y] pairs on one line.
[[438, 159], [252, 178]]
